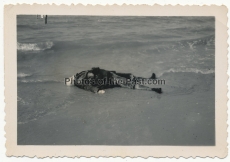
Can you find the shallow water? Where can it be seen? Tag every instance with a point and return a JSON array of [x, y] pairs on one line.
[[139, 45]]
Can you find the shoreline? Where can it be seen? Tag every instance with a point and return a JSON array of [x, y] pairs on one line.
[[125, 117]]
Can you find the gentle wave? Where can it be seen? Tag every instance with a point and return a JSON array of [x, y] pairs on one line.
[[40, 81], [208, 41], [22, 101], [188, 70], [22, 75], [34, 46]]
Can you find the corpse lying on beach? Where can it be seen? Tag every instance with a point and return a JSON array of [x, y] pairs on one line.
[[97, 80]]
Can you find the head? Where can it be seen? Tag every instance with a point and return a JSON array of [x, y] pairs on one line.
[[90, 75], [70, 81]]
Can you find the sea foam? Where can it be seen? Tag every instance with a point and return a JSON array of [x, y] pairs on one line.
[[188, 70], [22, 75], [34, 46]]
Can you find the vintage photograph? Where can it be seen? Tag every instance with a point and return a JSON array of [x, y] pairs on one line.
[[115, 80]]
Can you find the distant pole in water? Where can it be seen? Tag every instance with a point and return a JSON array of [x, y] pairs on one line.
[[46, 19], [42, 16]]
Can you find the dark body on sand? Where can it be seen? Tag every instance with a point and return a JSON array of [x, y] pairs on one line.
[[104, 79]]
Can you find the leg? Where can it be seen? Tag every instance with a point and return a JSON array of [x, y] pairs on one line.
[[141, 87], [131, 85], [122, 80], [125, 75]]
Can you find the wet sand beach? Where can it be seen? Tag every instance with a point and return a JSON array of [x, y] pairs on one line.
[[120, 117]]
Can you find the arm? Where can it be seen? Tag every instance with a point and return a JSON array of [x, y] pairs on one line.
[[90, 88]]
